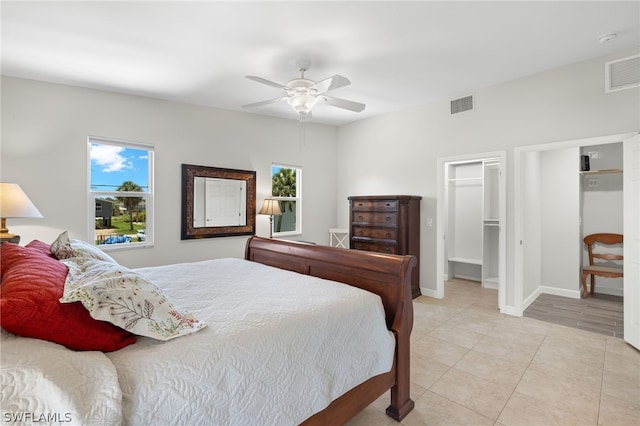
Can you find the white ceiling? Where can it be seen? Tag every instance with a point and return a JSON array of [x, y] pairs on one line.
[[396, 54]]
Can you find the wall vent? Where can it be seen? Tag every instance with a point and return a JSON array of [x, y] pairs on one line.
[[622, 74], [462, 104]]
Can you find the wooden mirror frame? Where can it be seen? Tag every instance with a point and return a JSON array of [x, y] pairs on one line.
[[189, 172]]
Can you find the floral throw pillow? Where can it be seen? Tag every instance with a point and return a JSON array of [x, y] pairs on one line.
[[114, 293], [65, 248]]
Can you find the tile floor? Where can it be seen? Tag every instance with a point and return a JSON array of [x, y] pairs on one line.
[[471, 365]]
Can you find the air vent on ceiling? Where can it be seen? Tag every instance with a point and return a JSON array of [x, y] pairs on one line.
[[462, 104], [622, 74]]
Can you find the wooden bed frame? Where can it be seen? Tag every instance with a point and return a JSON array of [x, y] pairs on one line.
[[386, 275]]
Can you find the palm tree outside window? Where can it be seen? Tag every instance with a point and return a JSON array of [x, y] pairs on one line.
[[286, 184]]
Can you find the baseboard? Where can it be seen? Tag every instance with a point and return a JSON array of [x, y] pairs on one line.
[[468, 278], [610, 291], [429, 293], [573, 294], [529, 300], [512, 310]]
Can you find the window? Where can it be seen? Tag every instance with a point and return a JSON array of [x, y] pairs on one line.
[[286, 187], [120, 193]]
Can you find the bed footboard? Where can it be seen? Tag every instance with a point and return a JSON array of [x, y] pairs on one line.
[[389, 276]]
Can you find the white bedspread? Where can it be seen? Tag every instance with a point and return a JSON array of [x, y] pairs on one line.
[[278, 348], [43, 383]]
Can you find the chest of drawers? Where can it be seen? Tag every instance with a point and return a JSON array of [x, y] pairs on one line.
[[387, 224]]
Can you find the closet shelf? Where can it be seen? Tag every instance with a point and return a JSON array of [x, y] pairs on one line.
[[465, 260], [465, 179], [601, 172]]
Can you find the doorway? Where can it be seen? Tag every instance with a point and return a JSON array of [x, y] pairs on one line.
[[471, 221], [536, 274]]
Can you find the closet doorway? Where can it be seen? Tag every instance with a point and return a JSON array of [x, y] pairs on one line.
[[548, 229], [472, 221]]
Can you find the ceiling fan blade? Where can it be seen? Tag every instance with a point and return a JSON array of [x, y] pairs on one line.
[[331, 83], [261, 103], [342, 103], [267, 82]]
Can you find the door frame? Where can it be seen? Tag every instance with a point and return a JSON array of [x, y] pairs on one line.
[[631, 250], [441, 220]]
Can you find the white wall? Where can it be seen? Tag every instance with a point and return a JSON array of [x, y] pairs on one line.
[[560, 220], [532, 219], [397, 153], [44, 135]]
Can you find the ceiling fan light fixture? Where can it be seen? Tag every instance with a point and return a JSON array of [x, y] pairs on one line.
[[303, 103]]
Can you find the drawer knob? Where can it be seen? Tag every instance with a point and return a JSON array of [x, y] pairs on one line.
[[359, 246], [387, 249], [359, 232], [388, 218], [359, 217]]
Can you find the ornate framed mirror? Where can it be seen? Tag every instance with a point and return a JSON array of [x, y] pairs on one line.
[[217, 202]]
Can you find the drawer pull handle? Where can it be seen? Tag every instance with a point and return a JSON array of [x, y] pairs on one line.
[[388, 218], [388, 204], [360, 204]]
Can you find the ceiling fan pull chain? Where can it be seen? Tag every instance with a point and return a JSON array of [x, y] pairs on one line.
[[303, 130]]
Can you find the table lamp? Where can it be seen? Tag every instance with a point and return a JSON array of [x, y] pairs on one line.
[[272, 208], [14, 203]]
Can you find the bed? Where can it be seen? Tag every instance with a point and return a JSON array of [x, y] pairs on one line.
[[314, 363]]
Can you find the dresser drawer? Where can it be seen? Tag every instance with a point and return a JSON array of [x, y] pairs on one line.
[[375, 205], [377, 247], [383, 233], [389, 218]]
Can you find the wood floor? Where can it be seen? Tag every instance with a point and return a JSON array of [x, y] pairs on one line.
[[599, 313]]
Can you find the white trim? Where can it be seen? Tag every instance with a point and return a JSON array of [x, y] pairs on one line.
[[297, 199], [148, 195], [119, 142], [430, 293]]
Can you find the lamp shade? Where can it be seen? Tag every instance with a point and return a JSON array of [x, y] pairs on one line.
[[270, 207], [14, 203]]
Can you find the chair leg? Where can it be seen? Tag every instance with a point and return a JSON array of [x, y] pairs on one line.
[[593, 283], [585, 293]]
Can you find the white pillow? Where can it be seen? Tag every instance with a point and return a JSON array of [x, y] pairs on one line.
[[45, 382], [114, 293], [64, 248]]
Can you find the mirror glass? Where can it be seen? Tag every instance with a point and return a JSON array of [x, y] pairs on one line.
[[217, 202]]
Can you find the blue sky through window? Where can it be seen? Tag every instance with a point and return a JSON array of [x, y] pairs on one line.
[[111, 165]]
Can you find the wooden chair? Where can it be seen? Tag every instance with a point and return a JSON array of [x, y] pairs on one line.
[[609, 270]]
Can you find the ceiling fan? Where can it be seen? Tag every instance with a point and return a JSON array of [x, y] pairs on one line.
[[303, 94]]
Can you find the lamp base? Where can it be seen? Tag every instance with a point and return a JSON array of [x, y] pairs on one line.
[[7, 237]]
